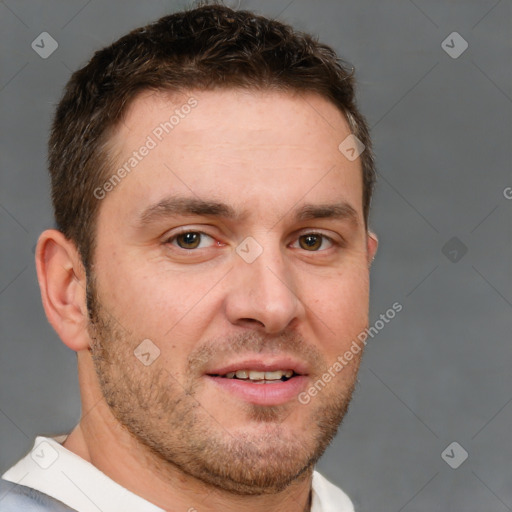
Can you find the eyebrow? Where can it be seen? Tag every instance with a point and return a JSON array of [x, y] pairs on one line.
[[176, 206], [173, 206], [339, 211]]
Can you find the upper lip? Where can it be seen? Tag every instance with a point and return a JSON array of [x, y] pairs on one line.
[[262, 365]]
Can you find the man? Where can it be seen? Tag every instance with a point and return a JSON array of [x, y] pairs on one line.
[[211, 182]]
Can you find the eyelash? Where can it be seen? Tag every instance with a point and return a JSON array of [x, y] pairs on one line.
[[324, 238], [174, 237]]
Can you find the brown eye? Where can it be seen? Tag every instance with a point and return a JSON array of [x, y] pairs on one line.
[[189, 240], [311, 242]]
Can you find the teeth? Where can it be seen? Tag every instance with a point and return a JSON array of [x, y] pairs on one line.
[[279, 374], [258, 376], [255, 375]]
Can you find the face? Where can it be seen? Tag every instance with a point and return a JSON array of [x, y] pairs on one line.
[[235, 251]]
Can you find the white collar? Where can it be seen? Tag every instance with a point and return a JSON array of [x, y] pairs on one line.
[[54, 470]]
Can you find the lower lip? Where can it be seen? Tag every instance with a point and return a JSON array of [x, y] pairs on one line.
[[276, 393]]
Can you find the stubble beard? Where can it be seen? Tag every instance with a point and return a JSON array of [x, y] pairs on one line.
[[164, 416]]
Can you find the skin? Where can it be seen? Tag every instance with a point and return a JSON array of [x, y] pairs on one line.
[[184, 441]]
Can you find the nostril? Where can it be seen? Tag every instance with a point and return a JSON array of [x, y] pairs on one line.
[[250, 322]]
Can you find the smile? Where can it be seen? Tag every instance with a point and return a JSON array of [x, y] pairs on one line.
[[259, 377], [246, 381]]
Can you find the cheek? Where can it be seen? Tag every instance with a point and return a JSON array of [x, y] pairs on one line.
[[155, 301], [353, 296], [339, 307]]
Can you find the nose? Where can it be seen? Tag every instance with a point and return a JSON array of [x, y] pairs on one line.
[[263, 294]]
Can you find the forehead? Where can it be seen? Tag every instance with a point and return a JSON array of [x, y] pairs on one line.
[[215, 113], [232, 145]]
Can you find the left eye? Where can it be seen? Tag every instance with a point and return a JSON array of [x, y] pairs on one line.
[[191, 240], [314, 242]]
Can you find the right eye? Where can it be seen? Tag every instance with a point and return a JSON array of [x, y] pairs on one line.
[[190, 240]]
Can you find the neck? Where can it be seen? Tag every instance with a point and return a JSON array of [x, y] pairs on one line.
[[102, 441]]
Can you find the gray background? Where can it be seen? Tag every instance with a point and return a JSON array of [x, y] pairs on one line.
[[440, 370]]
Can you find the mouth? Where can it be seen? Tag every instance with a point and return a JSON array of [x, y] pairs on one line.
[[261, 382], [260, 377]]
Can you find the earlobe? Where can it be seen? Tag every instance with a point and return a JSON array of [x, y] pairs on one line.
[[62, 282], [372, 243]]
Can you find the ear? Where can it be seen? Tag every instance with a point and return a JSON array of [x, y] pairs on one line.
[[61, 277], [372, 243]]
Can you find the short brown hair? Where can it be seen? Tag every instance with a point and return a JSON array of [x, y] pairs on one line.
[[206, 48]]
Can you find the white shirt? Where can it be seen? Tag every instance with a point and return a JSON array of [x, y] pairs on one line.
[[54, 470]]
